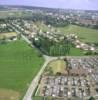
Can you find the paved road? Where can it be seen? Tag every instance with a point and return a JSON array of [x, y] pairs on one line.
[[35, 81], [26, 39]]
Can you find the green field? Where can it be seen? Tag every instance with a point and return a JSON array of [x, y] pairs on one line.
[[75, 52], [86, 34], [19, 63]]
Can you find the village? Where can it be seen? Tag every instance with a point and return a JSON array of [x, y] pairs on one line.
[[48, 54], [32, 31]]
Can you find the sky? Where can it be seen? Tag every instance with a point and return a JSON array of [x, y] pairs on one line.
[[72, 4]]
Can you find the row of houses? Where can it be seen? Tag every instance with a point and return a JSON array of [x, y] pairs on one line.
[[80, 45]]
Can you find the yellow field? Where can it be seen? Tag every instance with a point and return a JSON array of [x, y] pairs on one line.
[[9, 95], [7, 35], [57, 66]]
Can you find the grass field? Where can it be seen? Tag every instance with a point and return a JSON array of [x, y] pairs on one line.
[[57, 66], [75, 52], [19, 63], [86, 34]]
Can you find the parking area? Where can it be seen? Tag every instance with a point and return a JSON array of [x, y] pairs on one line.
[[81, 81], [84, 66], [66, 86]]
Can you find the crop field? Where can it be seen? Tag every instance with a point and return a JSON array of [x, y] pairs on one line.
[[9, 13], [19, 63], [7, 35], [85, 34]]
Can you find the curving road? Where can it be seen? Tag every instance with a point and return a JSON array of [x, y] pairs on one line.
[[34, 84], [35, 81]]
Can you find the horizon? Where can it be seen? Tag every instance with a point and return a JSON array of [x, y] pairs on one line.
[[71, 4], [50, 7]]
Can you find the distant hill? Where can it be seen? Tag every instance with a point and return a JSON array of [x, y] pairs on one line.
[[41, 8]]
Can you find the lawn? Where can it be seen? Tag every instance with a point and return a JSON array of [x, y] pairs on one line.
[[57, 66], [75, 52], [19, 63], [86, 34]]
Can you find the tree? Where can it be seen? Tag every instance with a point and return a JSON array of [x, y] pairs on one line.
[[3, 41], [91, 98], [19, 36]]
